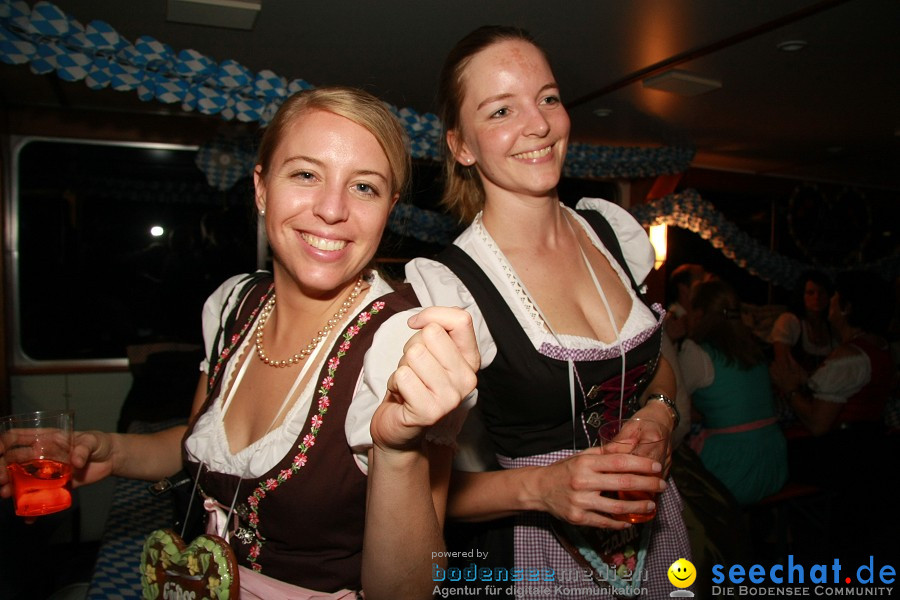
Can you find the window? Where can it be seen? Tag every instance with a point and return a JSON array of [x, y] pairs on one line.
[[117, 244]]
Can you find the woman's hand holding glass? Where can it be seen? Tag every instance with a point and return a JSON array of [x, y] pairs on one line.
[[91, 457], [637, 437], [573, 489], [35, 449], [661, 414]]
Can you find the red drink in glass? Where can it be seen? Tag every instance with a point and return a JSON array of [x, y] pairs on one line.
[[40, 487], [636, 517], [35, 448], [640, 437]]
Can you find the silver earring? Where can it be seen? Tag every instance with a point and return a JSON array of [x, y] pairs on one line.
[[262, 212]]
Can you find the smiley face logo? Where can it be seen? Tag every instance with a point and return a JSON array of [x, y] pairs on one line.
[[682, 573]]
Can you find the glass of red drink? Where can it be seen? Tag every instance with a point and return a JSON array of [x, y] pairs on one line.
[[35, 447], [641, 437]]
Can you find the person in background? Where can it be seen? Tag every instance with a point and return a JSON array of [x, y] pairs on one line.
[[841, 444], [726, 374], [559, 318], [681, 282], [806, 336], [288, 417], [848, 391]]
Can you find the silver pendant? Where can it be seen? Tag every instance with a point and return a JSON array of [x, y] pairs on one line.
[[244, 534]]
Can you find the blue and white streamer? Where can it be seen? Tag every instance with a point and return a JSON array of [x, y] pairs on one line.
[[225, 160], [688, 210], [49, 40]]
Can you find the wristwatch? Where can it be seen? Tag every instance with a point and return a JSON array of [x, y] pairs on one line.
[[676, 417]]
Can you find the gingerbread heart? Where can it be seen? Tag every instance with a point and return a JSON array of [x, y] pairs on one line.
[[205, 568]]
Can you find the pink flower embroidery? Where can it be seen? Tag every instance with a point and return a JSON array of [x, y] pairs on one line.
[[309, 440], [234, 339], [226, 352]]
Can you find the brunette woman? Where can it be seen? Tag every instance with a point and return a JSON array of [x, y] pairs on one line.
[[566, 339], [806, 336], [726, 374]]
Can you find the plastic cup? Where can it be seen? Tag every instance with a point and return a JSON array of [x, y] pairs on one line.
[[640, 437], [35, 447]]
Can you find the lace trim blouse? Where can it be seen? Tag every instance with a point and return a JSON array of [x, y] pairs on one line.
[[435, 284]]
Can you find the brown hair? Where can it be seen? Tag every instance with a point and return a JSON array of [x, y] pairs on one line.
[[361, 107], [463, 190], [721, 326]]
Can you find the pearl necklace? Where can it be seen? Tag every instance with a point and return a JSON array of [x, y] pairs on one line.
[[300, 356]]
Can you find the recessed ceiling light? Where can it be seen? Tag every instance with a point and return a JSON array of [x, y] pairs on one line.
[[682, 83], [791, 45], [602, 112]]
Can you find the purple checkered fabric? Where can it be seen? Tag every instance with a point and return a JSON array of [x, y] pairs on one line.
[[581, 354], [535, 545]]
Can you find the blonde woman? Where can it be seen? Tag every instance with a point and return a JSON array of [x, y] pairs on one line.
[[308, 430]]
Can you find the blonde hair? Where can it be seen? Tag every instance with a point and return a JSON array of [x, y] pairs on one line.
[[463, 191], [362, 108]]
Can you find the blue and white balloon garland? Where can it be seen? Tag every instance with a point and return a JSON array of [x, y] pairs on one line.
[[49, 40], [688, 210]]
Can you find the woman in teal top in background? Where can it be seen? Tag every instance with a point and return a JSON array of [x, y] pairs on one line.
[[726, 374]]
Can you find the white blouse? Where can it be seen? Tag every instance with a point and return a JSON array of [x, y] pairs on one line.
[[788, 329], [208, 442], [436, 285], [838, 379], [696, 366]]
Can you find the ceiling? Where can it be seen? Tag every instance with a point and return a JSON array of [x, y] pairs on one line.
[[827, 113]]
